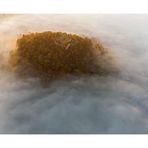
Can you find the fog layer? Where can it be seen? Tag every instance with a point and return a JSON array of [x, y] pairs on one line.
[[90, 104]]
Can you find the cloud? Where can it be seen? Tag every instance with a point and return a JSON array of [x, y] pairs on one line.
[[112, 104]]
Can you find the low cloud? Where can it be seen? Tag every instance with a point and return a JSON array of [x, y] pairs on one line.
[[94, 104]]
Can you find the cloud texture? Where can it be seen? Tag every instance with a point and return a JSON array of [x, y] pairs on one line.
[[112, 104]]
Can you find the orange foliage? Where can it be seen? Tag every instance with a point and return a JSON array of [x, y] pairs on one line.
[[51, 54]]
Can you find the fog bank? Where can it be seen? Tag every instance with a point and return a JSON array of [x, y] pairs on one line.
[[90, 104]]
